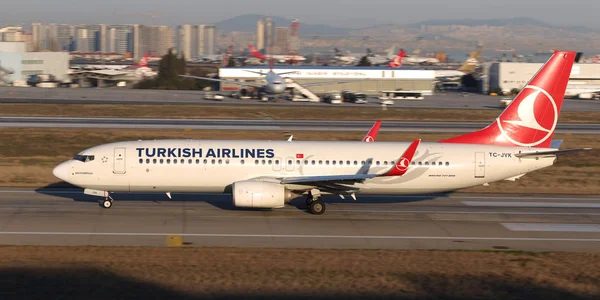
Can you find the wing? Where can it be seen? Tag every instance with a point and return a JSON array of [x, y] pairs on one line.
[[258, 85], [343, 183]]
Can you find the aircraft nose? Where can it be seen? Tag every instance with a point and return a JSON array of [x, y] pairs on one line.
[[62, 171]]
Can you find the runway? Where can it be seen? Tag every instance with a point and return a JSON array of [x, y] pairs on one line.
[[449, 100], [263, 125], [454, 221]]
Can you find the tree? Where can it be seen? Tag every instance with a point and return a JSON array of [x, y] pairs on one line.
[[364, 62], [231, 62]]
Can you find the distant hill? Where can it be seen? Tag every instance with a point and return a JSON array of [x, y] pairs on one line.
[[518, 21], [247, 23]]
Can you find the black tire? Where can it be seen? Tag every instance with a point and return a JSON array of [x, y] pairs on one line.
[[106, 204], [316, 207]]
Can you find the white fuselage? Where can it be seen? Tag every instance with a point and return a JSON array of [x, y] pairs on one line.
[[213, 166], [275, 84]]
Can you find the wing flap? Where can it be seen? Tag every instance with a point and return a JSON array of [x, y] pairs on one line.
[[535, 154]]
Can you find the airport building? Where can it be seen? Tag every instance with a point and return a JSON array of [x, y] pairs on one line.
[[368, 80], [17, 64], [511, 75]]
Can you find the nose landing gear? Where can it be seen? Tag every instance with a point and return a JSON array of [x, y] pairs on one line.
[[107, 203]]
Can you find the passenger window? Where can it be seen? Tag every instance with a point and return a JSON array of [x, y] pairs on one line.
[[154, 161], [413, 163], [362, 162], [420, 163], [378, 163], [264, 162], [333, 162], [270, 162], [447, 164], [298, 162], [313, 162], [213, 161], [141, 161], [385, 163], [169, 161], [205, 162], [355, 162], [220, 161], [290, 162], [190, 161], [427, 163], [161, 161], [197, 161], [227, 161], [182, 161], [306, 162], [327, 162], [320, 162], [242, 162], [348, 162], [440, 163], [256, 162], [147, 160], [342, 162]]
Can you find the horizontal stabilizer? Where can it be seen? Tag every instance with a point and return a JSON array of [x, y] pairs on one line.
[[555, 144], [534, 154]]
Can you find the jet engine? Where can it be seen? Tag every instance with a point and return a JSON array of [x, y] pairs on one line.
[[259, 194]]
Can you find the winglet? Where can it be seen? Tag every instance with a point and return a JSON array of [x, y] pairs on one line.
[[402, 165], [372, 134]]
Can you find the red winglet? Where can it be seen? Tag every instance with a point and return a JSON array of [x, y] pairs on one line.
[[402, 165], [372, 134]]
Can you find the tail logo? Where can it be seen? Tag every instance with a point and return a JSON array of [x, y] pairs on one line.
[[533, 120], [369, 139], [403, 165]]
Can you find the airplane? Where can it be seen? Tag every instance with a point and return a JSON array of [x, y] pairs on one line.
[[377, 60], [583, 91], [397, 60], [274, 84], [415, 59], [289, 59], [347, 59], [267, 174]]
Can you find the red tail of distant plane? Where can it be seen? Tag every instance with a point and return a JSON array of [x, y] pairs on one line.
[[256, 54], [372, 134], [530, 119], [397, 61], [143, 61]]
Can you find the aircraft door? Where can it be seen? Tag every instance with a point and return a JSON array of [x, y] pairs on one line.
[[479, 165], [119, 161]]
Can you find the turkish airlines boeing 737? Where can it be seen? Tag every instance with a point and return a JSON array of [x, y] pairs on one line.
[[267, 174]]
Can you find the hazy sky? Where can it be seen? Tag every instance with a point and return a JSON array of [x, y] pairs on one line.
[[354, 13]]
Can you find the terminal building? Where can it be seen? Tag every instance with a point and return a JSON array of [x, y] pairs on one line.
[[367, 80], [17, 65], [514, 75]]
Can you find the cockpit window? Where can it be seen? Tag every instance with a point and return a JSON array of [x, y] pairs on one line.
[[277, 82], [84, 158]]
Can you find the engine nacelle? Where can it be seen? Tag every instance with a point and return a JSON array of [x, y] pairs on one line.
[[259, 194], [586, 96]]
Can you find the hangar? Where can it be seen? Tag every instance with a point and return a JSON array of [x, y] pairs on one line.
[[367, 80], [514, 75]]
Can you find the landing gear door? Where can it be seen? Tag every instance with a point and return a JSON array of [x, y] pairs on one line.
[[119, 161], [479, 164]]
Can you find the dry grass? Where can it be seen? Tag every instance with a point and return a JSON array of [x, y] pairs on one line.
[[267, 112], [24, 163], [217, 273]]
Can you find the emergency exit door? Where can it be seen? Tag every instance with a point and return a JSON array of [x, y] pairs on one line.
[[479, 164], [119, 161]]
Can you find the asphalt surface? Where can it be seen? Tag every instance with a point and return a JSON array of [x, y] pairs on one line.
[[276, 125], [455, 221], [449, 100]]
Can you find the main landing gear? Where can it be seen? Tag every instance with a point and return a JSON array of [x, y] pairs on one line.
[[107, 203], [316, 206]]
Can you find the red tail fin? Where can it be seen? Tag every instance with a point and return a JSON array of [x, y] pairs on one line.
[[372, 134], [256, 54], [397, 61], [143, 61], [530, 119]]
